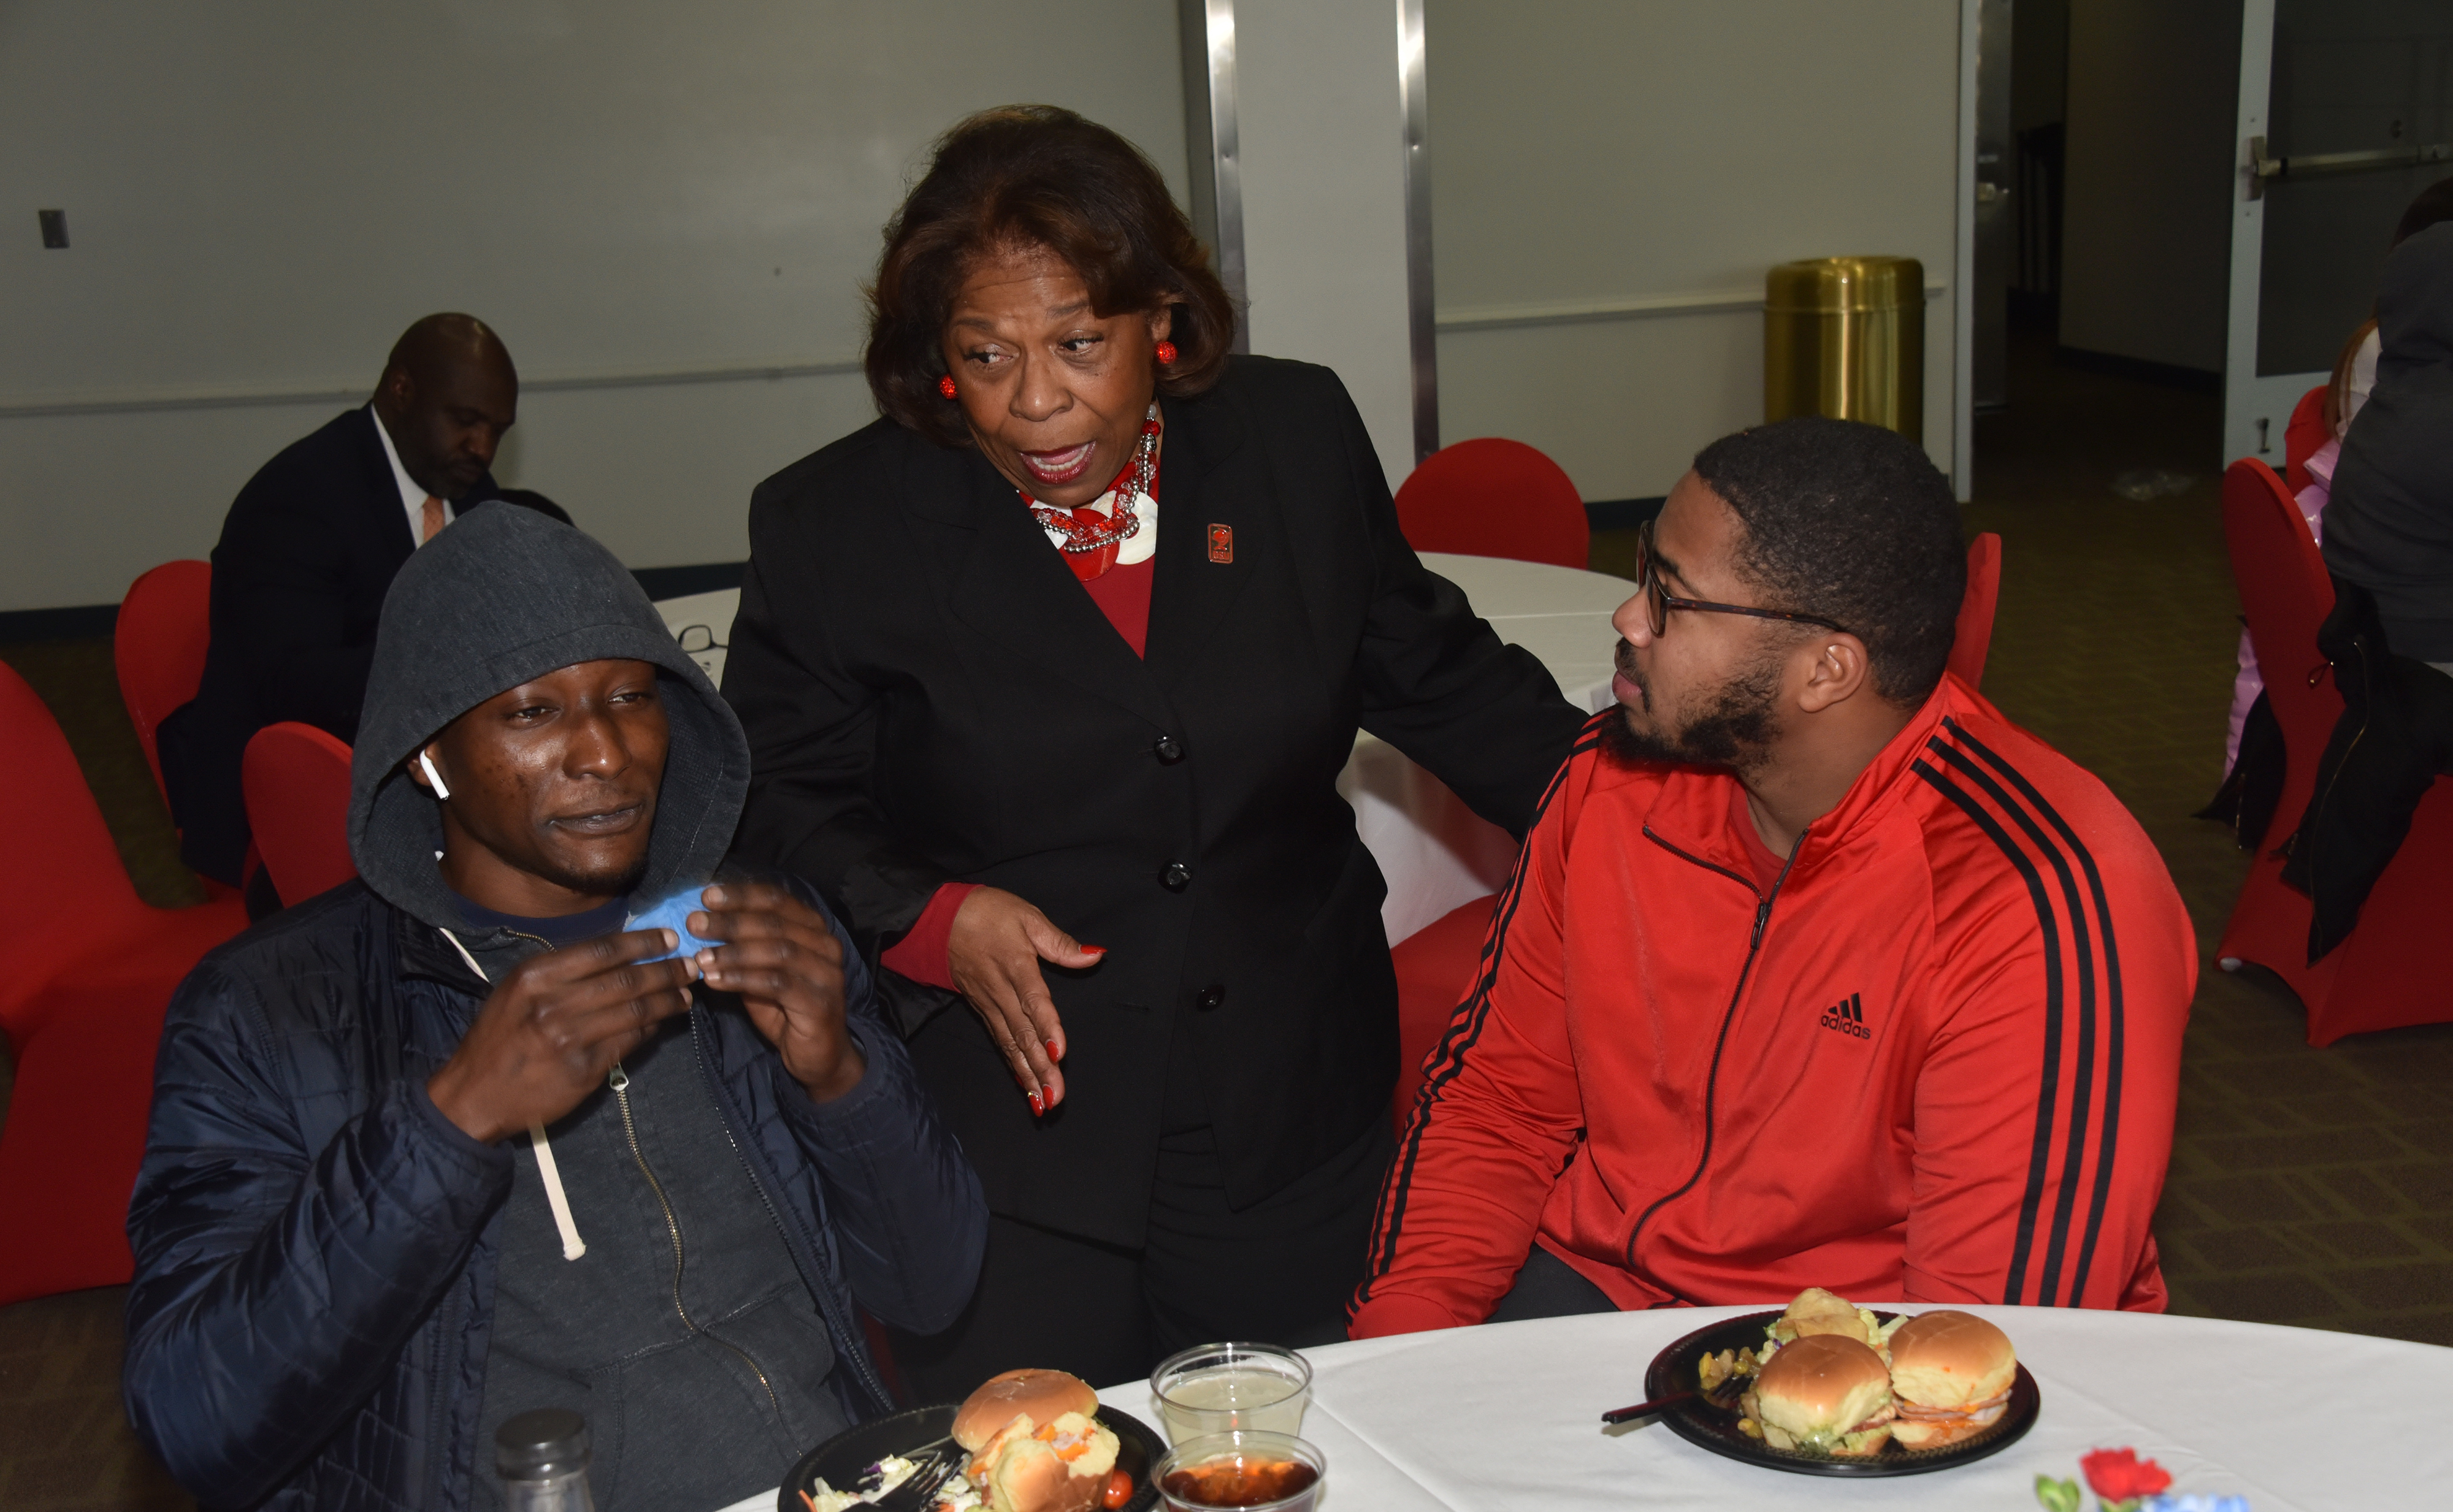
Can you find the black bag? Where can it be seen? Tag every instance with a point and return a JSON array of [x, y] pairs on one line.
[[2396, 734], [2253, 789]]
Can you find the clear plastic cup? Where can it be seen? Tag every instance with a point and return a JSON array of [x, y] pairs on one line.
[[1227, 1469], [1223, 1388]]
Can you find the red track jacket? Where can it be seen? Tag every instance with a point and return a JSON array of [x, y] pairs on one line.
[[1935, 1061]]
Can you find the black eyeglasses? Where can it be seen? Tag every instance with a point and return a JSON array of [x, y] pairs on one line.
[[1658, 601]]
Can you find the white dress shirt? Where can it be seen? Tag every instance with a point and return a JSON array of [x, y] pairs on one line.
[[413, 494]]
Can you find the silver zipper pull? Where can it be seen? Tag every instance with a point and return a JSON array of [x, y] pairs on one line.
[[618, 1078]]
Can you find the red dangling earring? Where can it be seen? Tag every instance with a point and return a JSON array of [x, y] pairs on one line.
[[946, 386], [1165, 352]]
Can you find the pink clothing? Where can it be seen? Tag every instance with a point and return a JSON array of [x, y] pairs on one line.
[[2311, 500]]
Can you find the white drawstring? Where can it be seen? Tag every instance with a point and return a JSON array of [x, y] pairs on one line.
[[573, 1247]]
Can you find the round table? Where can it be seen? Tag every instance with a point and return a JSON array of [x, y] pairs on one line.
[[1508, 1416], [1436, 854]]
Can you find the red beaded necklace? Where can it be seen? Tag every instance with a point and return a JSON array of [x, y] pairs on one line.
[[1093, 540]]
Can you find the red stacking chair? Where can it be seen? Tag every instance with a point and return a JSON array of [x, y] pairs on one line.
[[2389, 971], [1435, 967], [297, 779], [1494, 498], [1974, 637], [93, 968], [2303, 437], [159, 646]]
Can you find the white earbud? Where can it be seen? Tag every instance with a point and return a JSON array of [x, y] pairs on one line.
[[434, 777]]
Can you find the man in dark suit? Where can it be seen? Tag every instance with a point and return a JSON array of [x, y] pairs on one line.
[[309, 548]]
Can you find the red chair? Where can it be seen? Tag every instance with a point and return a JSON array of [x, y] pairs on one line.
[[2388, 973], [93, 968], [297, 779], [1493, 497], [2303, 437], [1974, 636], [159, 646], [1435, 967]]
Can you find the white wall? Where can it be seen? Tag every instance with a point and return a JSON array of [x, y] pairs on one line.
[[2146, 217], [1608, 153], [261, 195], [1324, 203]]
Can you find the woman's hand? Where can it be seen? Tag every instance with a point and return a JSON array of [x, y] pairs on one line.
[[993, 954]]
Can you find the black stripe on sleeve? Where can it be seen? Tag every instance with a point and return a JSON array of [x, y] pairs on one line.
[[1464, 1028], [2048, 1092], [2083, 1079], [2116, 1023]]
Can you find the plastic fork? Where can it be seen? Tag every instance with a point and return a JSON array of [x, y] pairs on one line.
[[931, 1470]]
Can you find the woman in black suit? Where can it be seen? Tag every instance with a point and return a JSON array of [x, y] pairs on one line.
[[1075, 763]]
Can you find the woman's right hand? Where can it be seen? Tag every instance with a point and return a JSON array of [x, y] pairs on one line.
[[993, 954]]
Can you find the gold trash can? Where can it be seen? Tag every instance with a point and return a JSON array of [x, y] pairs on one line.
[[1844, 336]]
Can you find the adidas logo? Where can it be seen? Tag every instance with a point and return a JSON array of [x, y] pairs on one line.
[[1848, 1017]]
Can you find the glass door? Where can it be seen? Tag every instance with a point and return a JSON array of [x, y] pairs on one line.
[[2343, 117]]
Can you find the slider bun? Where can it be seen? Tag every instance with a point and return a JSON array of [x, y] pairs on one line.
[[1816, 1311], [1950, 1359], [1029, 1475], [1042, 1395], [1820, 1388]]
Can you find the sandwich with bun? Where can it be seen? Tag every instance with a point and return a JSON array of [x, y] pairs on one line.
[[1036, 1444], [1951, 1378], [1816, 1311], [1824, 1394]]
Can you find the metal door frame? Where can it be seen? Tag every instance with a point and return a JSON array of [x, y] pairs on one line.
[[1213, 144], [2255, 409], [1962, 266]]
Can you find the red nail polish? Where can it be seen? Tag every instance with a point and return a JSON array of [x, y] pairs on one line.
[[1036, 1109], [1053, 1052], [1094, 950]]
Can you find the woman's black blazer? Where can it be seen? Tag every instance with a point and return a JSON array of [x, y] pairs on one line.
[[931, 696]]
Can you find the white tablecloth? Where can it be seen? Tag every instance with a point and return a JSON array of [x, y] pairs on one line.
[[1477, 1419], [1435, 853], [1508, 1417]]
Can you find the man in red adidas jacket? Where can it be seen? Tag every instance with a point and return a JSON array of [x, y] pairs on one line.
[[1816, 971]]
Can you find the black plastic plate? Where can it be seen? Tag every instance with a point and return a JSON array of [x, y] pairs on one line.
[[843, 1459], [1716, 1429]]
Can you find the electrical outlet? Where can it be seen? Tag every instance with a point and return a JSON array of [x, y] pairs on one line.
[[55, 228]]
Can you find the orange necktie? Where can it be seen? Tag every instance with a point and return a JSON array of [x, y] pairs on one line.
[[435, 521]]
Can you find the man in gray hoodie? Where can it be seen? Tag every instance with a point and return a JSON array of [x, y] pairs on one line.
[[450, 1143]]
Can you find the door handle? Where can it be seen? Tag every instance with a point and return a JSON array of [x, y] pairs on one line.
[[2264, 169]]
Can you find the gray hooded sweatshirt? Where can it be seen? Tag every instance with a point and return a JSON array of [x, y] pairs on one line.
[[339, 1295], [503, 596], [682, 1333]]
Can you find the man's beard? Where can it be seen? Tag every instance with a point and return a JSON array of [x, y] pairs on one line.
[[603, 882], [1735, 729]]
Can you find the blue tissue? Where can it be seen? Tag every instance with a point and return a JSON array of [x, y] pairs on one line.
[[672, 913]]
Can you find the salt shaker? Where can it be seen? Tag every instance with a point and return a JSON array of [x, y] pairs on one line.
[[542, 1457]]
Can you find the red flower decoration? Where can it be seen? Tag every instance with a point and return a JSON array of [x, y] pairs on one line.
[[2119, 1475]]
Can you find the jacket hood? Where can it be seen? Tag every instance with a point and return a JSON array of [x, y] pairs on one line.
[[502, 596]]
